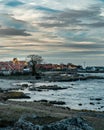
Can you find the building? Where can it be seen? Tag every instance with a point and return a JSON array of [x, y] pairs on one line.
[[8, 67]]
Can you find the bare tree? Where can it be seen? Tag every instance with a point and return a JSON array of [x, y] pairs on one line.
[[33, 60]]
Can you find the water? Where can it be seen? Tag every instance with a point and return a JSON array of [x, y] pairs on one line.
[[78, 94]]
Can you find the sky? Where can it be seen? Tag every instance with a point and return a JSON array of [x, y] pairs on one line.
[[61, 31]]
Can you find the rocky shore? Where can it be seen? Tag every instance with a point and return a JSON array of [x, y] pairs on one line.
[[45, 114], [54, 76], [42, 116]]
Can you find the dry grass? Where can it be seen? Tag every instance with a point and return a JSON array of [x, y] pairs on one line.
[[13, 111]]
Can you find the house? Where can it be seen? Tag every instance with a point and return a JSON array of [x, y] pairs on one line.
[[10, 66], [71, 66]]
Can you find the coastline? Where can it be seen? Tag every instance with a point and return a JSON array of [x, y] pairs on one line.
[[12, 110], [54, 76]]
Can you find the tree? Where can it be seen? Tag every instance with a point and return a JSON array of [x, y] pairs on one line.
[[33, 60]]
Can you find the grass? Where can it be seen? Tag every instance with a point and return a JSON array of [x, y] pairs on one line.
[[12, 111]]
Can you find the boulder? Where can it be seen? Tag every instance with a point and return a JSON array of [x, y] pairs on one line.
[[76, 123], [13, 95]]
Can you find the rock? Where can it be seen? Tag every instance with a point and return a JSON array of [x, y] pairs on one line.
[[98, 102], [51, 102], [98, 99], [13, 95], [22, 124], [80, 104], [57, 102], [6, 128], [68, 108], [102, 106], [91, 103], [25, 85], [76, 123], [45, 87], [43, 100]]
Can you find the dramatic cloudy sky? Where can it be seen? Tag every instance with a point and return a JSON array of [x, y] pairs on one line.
[[58, 30]]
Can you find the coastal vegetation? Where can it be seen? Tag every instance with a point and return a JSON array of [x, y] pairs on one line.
[[38, 113]]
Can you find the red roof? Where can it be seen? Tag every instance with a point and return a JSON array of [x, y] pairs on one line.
[[12, 66]]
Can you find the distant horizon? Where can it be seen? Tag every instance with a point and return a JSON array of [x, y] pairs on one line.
[[59, 61]]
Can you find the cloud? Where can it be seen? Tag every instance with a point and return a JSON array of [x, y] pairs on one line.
[[95, 25], [61, 5], [13, 32], [8, 20], [14, 3], [56, 29], [70, 17], [45, 9]]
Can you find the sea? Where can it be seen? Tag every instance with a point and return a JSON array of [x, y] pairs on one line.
[[79, 95]]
